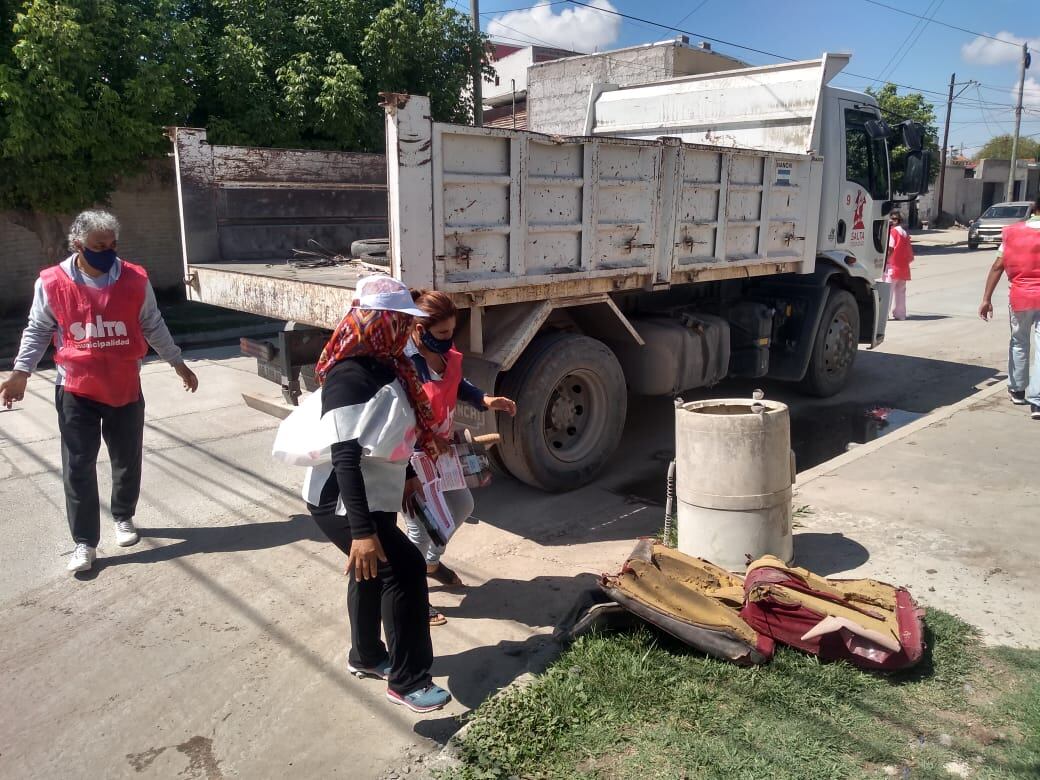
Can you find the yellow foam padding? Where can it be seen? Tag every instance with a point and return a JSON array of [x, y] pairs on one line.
[[872, 604], [689, 589]]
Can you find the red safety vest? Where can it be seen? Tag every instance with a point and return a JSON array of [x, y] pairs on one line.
[[899, 256], [444, 392], [1022, 264], [102, 340]]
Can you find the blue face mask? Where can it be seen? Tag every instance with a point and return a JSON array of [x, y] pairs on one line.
[[440, 346], [100, 261]]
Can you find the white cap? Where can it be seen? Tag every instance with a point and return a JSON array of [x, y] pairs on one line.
[[384, 293]]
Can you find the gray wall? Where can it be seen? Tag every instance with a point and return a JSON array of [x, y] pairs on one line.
[[147, 208], [558, 91]]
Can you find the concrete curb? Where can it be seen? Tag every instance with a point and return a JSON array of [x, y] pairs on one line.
[[937, 416]]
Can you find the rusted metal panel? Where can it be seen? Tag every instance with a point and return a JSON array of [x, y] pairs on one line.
[[409, 144], [243, 204]]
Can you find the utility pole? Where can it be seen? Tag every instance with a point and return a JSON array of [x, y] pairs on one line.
[[942, 153], [946, 138], [1018, 121], [478, 77]]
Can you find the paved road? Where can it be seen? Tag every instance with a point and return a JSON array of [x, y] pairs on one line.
[[216, 647]]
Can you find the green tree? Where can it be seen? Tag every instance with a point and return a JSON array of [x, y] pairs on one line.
[[308, 72], [85, 88], [897, 108], [999, 148]]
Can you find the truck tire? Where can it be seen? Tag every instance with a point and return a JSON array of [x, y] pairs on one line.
[[571, 403], [378, 246], [834, 348]]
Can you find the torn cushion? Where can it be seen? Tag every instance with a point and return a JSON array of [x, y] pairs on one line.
[[871, 624], [691, 599]]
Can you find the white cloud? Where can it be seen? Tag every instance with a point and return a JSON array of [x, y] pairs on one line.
[[986, 51], [578, 29], [1030, 95]]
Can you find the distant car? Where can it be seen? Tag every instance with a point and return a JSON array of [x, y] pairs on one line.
[[987, 228]]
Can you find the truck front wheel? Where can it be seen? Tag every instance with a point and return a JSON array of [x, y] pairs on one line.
[[571, 403], [834, 349]]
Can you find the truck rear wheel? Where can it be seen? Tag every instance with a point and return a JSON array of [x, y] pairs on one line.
[[834, 349], [571, 404]]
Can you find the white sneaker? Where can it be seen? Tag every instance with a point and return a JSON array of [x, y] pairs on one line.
[[126, 534], [82, 558]]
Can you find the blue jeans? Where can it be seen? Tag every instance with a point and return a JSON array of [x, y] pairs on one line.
[[1025, 331]]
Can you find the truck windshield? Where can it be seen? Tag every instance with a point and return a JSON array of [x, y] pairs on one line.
[[866, 160]]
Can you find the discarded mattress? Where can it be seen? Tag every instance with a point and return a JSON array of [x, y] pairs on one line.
[[691, 599], [868, 623]]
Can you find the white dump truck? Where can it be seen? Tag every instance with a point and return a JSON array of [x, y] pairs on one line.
[[718, 225]]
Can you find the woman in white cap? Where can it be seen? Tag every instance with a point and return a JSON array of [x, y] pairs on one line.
[[373, 411]]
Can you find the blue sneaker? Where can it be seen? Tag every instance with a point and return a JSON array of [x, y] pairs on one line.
[[427, 699], [380, 671]]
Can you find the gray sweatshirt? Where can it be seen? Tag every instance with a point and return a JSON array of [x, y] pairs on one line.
[[43, 325]]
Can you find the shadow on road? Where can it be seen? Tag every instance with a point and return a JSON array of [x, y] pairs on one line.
[[217, 539], [827, 554]]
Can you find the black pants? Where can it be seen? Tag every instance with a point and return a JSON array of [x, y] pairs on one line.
[[83, 424], [399, 597]]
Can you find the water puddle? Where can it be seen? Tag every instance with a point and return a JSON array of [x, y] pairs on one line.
[[818, 433]]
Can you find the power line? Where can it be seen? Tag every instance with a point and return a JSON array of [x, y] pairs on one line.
[[943, 24], [774, 55], [889, 67], [695, 10]]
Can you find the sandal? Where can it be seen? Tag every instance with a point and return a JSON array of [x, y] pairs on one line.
[[436, 618], [445, 576]]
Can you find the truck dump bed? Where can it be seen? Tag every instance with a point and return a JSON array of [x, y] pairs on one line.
[[496, 216]]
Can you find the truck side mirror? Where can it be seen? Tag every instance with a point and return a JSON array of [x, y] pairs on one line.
[[916, 174], [877, 129], [913, 136]]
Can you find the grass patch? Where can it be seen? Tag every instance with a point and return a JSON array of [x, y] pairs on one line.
[[643, 706]]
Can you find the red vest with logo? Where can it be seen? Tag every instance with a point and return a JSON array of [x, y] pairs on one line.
[[102, 340], [444, 392], [1022, 264], [899, 256]]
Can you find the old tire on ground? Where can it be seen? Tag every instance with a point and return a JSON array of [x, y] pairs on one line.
[[370, 246], [571, 404], [834, 348]]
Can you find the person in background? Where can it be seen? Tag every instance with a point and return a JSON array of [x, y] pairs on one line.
[[1019, 258], [100, 312], [897, 266], [439, 366], [377, 410]]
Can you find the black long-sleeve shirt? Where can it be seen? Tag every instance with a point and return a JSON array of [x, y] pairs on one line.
[[353, 382]]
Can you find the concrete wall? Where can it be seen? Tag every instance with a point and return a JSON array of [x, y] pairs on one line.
[[558, 91], [147, 208]]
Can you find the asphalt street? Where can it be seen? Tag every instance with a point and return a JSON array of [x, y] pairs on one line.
[[216, 647]]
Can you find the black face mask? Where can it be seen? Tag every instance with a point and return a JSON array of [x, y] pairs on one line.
[[440, 346], [100, 261]]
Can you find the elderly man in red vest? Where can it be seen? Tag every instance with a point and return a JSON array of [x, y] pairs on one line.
[[1019, 258], [101, 315]]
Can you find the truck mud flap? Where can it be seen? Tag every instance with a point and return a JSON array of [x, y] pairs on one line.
[[689, 598]]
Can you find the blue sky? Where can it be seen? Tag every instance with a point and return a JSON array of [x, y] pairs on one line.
[[882, 42]]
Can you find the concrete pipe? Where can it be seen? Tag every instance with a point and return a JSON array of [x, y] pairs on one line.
[[734, 472]]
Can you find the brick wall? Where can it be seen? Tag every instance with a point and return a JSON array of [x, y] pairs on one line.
[[147, 208]]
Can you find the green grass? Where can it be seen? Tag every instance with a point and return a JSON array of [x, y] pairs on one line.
[[641, 706]]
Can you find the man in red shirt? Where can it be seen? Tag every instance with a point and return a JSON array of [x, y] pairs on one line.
[[101, 315], [1019, 258]]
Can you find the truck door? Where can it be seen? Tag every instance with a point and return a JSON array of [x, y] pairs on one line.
[[862, 229]]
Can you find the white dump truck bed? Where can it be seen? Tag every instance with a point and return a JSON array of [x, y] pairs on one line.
[[497, 216]]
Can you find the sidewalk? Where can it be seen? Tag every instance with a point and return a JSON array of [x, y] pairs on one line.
[[946, 506], [939, 237]]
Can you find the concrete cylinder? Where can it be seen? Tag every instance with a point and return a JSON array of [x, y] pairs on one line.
[[734, 472]]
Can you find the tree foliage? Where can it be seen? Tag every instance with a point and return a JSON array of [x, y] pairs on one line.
[[1000, 148], [897, 108], [87, 86]]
